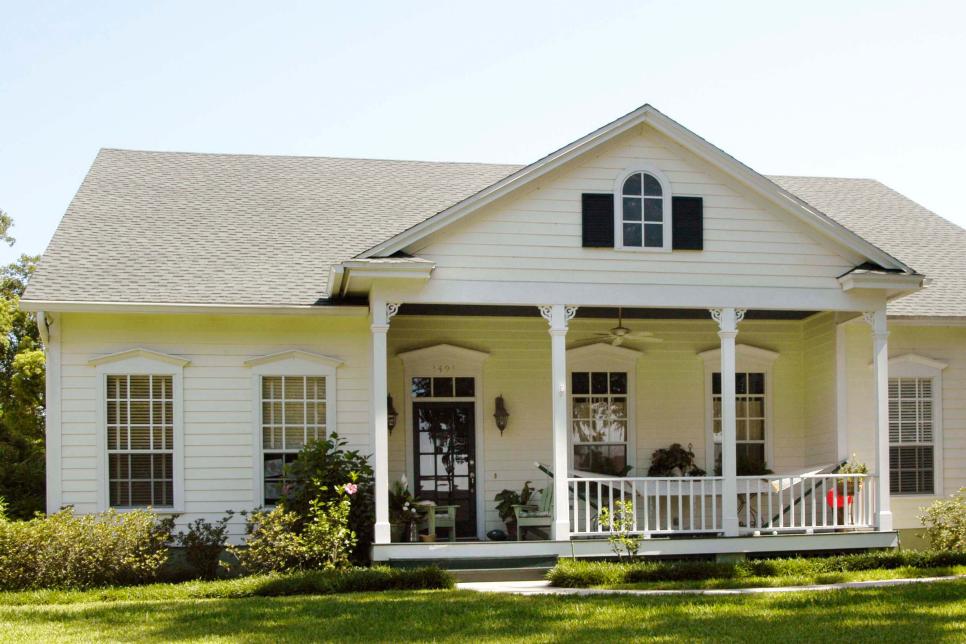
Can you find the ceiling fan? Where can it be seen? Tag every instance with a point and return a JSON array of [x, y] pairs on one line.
[[620, 333]]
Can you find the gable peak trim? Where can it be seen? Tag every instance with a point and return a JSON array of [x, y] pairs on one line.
[[444, 350], [742, 351], [919, 360], [139, 352], [294, 354]]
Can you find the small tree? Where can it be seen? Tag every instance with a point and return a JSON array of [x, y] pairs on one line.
[[620, 524]]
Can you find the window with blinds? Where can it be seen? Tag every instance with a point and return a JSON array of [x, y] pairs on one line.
[[140, 440], [911, 436], [293, 415]]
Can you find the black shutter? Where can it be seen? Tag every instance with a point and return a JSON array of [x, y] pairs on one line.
[[687, 229], [598, 220]]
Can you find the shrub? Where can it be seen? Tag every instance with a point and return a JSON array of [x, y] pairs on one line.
[[276, 542], [620, 524], [318, 471], [570, 573], [272, 542], [67, 551], [945, 522], [203, 544]]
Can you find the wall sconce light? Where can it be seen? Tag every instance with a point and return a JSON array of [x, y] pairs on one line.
[[501, 414], [391, 414]]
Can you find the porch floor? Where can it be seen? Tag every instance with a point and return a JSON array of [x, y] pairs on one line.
[[540, 554]]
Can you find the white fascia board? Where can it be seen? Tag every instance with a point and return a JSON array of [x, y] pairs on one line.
[[184, 308]]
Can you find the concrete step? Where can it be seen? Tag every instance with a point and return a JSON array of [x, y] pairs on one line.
[[500, 574]]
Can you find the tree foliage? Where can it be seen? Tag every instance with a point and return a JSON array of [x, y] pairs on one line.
[[21, 390]]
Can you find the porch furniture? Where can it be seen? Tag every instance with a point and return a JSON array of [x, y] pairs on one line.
[[439, 516], [535, 516]]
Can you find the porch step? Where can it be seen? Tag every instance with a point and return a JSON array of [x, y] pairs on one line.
[[501, 574]]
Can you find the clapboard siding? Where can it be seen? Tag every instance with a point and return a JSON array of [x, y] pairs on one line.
[[536, 233], [217, 392], [947, 344], [820, 390]]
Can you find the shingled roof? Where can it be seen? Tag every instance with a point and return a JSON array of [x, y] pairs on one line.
[[186, 228]]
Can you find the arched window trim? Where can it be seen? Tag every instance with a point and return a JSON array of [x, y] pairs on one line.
[[619, 208]]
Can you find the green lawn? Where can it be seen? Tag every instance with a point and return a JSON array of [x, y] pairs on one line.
[[906, 572], [922, 612]]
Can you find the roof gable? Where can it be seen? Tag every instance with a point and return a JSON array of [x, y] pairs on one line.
[[677, 133]]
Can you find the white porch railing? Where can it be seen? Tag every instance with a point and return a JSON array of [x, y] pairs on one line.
[[664, 506], [782, 503]]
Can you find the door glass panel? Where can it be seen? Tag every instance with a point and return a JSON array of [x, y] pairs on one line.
[[445, 453]]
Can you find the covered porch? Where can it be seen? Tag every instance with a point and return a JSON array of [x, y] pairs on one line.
[[758, 414]]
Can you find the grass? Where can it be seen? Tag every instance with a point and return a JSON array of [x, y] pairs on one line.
[[795, 571], [922, 612], [907, 572], [275, 585]]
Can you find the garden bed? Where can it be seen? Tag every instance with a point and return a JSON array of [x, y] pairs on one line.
[[569, 573], [322, 582]]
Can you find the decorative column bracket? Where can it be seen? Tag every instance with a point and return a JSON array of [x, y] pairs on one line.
[[546, 312]]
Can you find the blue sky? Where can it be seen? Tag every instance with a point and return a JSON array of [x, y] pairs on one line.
[[869, 89]]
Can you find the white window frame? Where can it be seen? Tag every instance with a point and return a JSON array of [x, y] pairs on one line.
[[748, 359], [447, 360], [288, 363], [603, 357], [619, 210], [911, 365], [140, 362]]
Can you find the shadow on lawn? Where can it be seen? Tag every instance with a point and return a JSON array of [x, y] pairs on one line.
[[932, 612]]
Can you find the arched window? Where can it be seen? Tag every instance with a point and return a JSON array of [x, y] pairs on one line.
[[643, 220]]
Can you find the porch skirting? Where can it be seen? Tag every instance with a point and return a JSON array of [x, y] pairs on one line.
[[467, 551]]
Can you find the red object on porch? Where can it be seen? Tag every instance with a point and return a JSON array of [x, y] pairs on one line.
[[838, 500]]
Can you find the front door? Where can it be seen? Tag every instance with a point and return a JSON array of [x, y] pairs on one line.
[[445, 459]]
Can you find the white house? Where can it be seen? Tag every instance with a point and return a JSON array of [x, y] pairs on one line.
[[205, 315]]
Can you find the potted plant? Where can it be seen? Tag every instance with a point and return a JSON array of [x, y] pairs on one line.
[[505, 502], [847, 486], [674, 461], [403, 512]]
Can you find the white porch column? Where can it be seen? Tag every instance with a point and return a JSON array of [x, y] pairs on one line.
[[558, 316], [381, 313], [880, 361], [728, 320]]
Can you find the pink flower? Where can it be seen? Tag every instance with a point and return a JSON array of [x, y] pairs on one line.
[[350, 488]]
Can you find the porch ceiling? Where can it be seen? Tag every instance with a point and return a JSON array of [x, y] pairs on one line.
[[634, 313]]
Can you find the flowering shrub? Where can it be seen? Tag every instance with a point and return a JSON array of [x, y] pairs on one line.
[[945, 522], [321, 469], [67, 551], [203, 544], [276, 541]]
